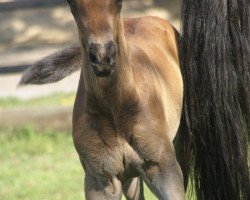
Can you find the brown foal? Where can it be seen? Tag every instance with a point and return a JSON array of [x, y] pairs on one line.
[[129, 101]]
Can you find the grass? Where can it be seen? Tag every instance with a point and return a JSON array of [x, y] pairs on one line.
[[55, 99], [40, 166]]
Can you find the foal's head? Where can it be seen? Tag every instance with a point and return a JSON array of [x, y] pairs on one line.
[[98, 24]]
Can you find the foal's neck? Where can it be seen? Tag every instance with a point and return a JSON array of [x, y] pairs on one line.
[[116, 88]]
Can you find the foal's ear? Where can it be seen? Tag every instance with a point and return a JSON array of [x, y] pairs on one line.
[[54, 67]]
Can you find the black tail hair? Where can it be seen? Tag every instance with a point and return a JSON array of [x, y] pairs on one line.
[[215, 59]]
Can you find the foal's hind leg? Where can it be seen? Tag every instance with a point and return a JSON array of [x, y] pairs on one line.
[[101, 187], [133, 189]]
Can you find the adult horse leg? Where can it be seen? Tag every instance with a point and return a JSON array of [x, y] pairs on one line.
[[133, 189], [101, 187]]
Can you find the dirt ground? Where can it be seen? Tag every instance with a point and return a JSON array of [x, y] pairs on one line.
[[41, 118]]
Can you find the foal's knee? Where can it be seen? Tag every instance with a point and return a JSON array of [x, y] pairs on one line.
[[97, 187]]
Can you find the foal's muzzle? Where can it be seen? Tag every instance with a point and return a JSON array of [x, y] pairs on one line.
[[103, 58]]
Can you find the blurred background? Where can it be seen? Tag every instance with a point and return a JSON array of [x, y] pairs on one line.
[[37, 156]]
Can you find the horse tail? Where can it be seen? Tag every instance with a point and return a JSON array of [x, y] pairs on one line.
[[215, 59]]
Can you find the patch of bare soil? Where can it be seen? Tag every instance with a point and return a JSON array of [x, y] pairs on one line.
[[41, 118]]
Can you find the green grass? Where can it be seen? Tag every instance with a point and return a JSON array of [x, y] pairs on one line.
[[55, 99], [40, 166]]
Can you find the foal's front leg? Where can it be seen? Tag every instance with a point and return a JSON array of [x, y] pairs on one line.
[[101, 187], [160, 171], [165, 180]]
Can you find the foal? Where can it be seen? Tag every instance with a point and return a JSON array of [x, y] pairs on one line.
[[129, 101]]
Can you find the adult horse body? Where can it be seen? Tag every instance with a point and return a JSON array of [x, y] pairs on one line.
[[129, 102]]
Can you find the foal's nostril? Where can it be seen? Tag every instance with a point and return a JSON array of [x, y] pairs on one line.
[[110, 52], [94, 56], [111, 49]]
